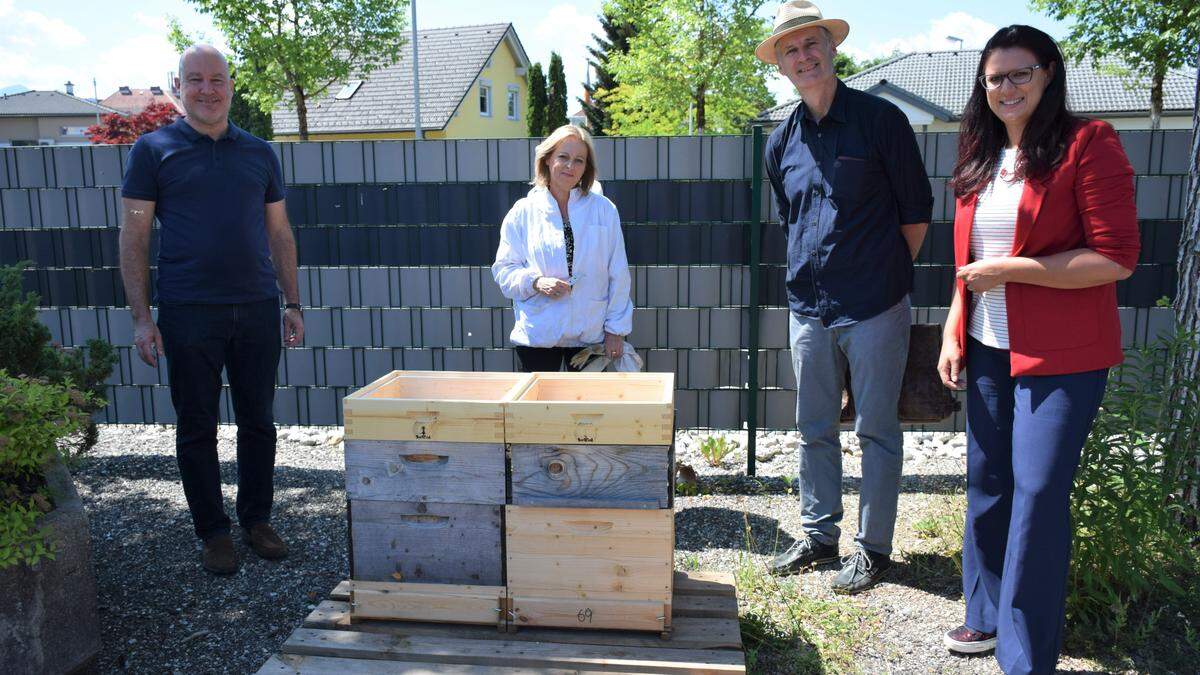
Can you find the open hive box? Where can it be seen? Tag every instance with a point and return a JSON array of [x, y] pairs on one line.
[[575, 529]]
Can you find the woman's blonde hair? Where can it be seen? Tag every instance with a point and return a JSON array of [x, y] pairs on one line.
[[541, 157]]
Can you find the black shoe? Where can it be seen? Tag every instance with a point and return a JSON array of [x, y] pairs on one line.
[[218, 555], [263, 541], [860, 570], [803, 556], [965, 640]]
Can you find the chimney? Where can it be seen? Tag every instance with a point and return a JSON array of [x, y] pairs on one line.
[[70, 88]]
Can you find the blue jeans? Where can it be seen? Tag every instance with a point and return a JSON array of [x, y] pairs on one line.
[[876, 350], [200, 341], [1024, 438]]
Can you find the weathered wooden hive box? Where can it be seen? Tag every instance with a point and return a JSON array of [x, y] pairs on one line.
[[589, 533], [425, 477]]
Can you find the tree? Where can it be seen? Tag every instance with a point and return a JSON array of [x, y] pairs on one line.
[[556, 94], [614, 41], [1187, 296], [244, 110], [536, 120], [689, 59], [117, 129], [301, 47], [1149, 36], [844, 65]]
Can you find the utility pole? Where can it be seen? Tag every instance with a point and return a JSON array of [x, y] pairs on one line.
[[416, 76]]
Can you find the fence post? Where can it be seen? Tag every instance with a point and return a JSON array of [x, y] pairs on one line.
[[755, 255]]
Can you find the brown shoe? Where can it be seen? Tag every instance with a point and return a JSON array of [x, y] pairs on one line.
[[218, 556], [264, 541]]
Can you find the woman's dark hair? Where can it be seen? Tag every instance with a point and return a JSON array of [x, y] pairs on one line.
[[982, 135]]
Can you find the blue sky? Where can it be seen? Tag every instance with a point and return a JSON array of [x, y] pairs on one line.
[[47, 42]]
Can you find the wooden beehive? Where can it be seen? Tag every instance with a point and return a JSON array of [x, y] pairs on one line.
[[588, 531], [589, 534], [425, 477]]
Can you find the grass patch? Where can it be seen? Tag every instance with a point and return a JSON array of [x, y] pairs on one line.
[[942, 528], [787, 630]]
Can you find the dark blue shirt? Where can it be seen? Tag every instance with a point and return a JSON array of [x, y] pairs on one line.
[[843, 187], [210, 200]]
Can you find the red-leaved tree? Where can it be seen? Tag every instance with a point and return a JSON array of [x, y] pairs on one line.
[[115, 129]]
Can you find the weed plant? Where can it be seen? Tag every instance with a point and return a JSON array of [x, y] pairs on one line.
[[1134, 554], [715, 449]]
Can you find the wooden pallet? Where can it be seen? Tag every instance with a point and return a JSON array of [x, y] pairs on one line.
[[706, 639]]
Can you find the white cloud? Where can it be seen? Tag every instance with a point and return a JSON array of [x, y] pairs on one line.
[[27, 28], [973, 31], [139, 62], [567, 31]]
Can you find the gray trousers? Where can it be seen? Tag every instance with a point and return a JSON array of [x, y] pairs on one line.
[[876, 350]]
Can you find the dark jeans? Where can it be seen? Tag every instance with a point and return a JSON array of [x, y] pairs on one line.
[[1024, 437], [546, 359], [244, 340]]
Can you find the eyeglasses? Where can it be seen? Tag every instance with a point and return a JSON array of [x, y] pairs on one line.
[[1018, 76]]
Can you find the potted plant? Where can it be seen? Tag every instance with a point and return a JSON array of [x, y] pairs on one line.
[[48, 610]]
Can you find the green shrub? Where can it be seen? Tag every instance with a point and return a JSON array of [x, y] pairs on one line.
[[715, 449], [25, 349], [34, 416], [1132, 551]]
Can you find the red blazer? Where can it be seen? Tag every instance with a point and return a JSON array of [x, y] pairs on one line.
[[1088, 201]]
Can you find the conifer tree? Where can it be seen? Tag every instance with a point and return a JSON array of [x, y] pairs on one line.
[[556, 94], [614, 40], [536, 120]]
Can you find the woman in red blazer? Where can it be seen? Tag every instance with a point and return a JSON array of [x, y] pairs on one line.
[[1044, 226]]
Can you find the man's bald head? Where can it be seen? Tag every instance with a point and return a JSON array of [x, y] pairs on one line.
[[200, 52], [206, 89]]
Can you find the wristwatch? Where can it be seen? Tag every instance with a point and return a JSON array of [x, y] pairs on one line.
[[293, 305]]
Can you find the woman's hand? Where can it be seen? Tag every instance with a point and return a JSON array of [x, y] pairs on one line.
[[551, 287], [984, 275], [614, 345], [950, 363]]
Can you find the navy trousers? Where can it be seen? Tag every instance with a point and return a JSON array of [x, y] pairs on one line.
[[1024, 438], [243, 340]]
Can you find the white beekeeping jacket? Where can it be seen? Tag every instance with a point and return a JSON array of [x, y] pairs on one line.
[[532, 246]]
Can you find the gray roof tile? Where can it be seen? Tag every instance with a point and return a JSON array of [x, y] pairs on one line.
[[451, 59], [47, 104], [945, 79]]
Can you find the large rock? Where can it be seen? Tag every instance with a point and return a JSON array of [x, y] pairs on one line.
[[48, 616]]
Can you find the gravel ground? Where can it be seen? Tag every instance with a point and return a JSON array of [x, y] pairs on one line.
[[161, 612]]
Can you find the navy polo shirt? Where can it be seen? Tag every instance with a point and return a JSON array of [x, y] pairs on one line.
[[843, 187], [210, 200]]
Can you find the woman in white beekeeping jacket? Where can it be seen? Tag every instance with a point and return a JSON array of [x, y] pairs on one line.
[[562, 259]]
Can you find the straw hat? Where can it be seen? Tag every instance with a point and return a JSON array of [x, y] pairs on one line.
[[795, 15]]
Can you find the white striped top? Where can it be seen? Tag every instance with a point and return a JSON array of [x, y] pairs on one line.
[[992, 237]]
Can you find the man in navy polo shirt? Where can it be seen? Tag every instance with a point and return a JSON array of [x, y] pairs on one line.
[[224, 244], [855, 202]]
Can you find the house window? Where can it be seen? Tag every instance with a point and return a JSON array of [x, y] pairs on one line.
[[348, 90], [514, 102], [485, 99]]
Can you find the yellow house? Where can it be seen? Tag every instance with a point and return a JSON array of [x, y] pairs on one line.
[[473, 85]]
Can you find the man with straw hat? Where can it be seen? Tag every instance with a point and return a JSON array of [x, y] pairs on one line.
[[854, 203]]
